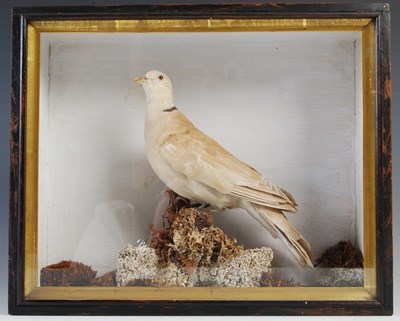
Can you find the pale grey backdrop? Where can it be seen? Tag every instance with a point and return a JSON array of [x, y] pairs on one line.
[[5, 67]]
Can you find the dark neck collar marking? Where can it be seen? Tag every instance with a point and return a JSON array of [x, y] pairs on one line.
[[168, 110]]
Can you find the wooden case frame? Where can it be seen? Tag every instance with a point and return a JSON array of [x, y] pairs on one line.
[[376, 297]]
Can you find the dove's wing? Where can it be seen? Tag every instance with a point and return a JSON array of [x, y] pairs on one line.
[[200, 158]]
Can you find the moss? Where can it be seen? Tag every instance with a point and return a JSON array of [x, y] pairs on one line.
[[195, 246], [342, 255], [275, 279], [160, 241], [190, 240], [67, 273], [107, 279]]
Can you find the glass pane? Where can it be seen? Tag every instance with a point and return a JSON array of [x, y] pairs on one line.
[[288, 104]]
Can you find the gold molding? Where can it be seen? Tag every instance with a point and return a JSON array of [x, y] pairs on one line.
[[369, 134], [201, 25], [32, 162], [200, 293], [31, 289]]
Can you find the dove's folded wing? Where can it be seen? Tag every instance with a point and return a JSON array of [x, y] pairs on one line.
[[200, 158]]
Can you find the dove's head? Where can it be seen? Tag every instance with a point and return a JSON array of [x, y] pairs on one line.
[[158, 89]]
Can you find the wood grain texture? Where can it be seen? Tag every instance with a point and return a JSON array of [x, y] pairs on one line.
[[384, 167], [384, 302], [17, 137], [173, 11]]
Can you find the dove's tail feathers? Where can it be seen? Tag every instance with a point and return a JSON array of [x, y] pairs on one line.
[[278, 225], [289, 196], [272, 196]]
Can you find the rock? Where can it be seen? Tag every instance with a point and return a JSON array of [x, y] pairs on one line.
[[136, 265], [246, 270], [340, 277], [172, 276]]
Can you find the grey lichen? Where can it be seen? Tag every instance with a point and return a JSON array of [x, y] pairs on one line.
[[189, 251], [245, 270], [172, 276], [340, 277], [136, 265], [139, 266]]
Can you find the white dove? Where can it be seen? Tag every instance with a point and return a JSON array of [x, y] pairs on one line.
[[195, 166]]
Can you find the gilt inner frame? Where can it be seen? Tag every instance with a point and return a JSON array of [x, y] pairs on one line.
[[31, 289]]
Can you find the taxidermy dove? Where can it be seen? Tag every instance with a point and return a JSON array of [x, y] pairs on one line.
[[196, 167]]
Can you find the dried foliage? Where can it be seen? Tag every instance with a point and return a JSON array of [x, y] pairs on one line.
[[275, 279], [200, 247], [190, 240], [342, 255], [160, 240], [107, 279], [67, 273], [177, 202]]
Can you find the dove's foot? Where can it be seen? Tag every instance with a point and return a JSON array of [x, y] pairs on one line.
[[199, 205]]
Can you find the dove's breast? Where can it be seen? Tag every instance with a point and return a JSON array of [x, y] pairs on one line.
[[158, 128]]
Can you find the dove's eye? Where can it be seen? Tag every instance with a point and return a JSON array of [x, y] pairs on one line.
[[161, 77]]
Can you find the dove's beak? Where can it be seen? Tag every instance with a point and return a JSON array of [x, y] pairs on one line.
[[139, 79]]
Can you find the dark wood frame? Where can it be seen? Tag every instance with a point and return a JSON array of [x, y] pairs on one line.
[[383, 305]]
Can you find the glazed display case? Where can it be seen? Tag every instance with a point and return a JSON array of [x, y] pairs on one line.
[[299, 92]]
